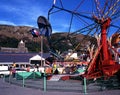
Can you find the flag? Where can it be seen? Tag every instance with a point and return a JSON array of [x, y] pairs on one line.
[[35, 33]]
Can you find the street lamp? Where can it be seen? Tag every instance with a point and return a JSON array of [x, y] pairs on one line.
[[44, 30]]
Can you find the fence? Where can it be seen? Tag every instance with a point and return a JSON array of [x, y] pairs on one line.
[[75, 83]]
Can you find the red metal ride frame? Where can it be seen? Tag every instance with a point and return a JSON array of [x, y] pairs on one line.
[[105, 24], [102, 63]]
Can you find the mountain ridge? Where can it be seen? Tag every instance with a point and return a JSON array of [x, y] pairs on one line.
[[10, 36]]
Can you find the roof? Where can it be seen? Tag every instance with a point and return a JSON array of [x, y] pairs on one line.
[[37, 57], [19, 57]]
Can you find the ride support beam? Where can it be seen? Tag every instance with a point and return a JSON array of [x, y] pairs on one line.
[[104, 26]]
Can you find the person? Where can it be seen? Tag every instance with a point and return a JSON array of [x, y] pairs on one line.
[[67, 70], [55, 70], [10, 70], [28, 69], [13, 72], [37, 67]]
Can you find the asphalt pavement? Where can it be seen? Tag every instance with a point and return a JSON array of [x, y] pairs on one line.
[[12, 89]]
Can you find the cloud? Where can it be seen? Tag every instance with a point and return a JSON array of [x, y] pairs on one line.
[[23, 12], [7, 23]]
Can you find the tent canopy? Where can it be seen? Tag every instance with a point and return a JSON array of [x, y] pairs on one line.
[[37, 57]]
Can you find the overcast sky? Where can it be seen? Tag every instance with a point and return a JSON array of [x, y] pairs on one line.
[[26, 12]]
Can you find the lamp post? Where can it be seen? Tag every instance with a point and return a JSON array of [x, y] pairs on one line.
[[45, 29], [41, 49], [44, 79]]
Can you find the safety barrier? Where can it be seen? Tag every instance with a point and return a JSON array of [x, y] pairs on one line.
[[28, 75], [74, 84]]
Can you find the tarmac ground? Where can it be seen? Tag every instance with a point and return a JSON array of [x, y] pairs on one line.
[[7, 88]]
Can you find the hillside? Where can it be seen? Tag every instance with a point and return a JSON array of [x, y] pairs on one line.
[[11, 35]]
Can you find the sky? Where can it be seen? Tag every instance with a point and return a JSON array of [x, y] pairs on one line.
[[23, 12], [26, 12]]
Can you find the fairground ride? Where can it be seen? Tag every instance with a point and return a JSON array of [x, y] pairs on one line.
[[93, 18]]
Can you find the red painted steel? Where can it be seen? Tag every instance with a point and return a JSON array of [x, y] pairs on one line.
[[102, 63], [105, 24]]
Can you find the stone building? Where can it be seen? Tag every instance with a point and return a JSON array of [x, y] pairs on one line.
[[20, 49]]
